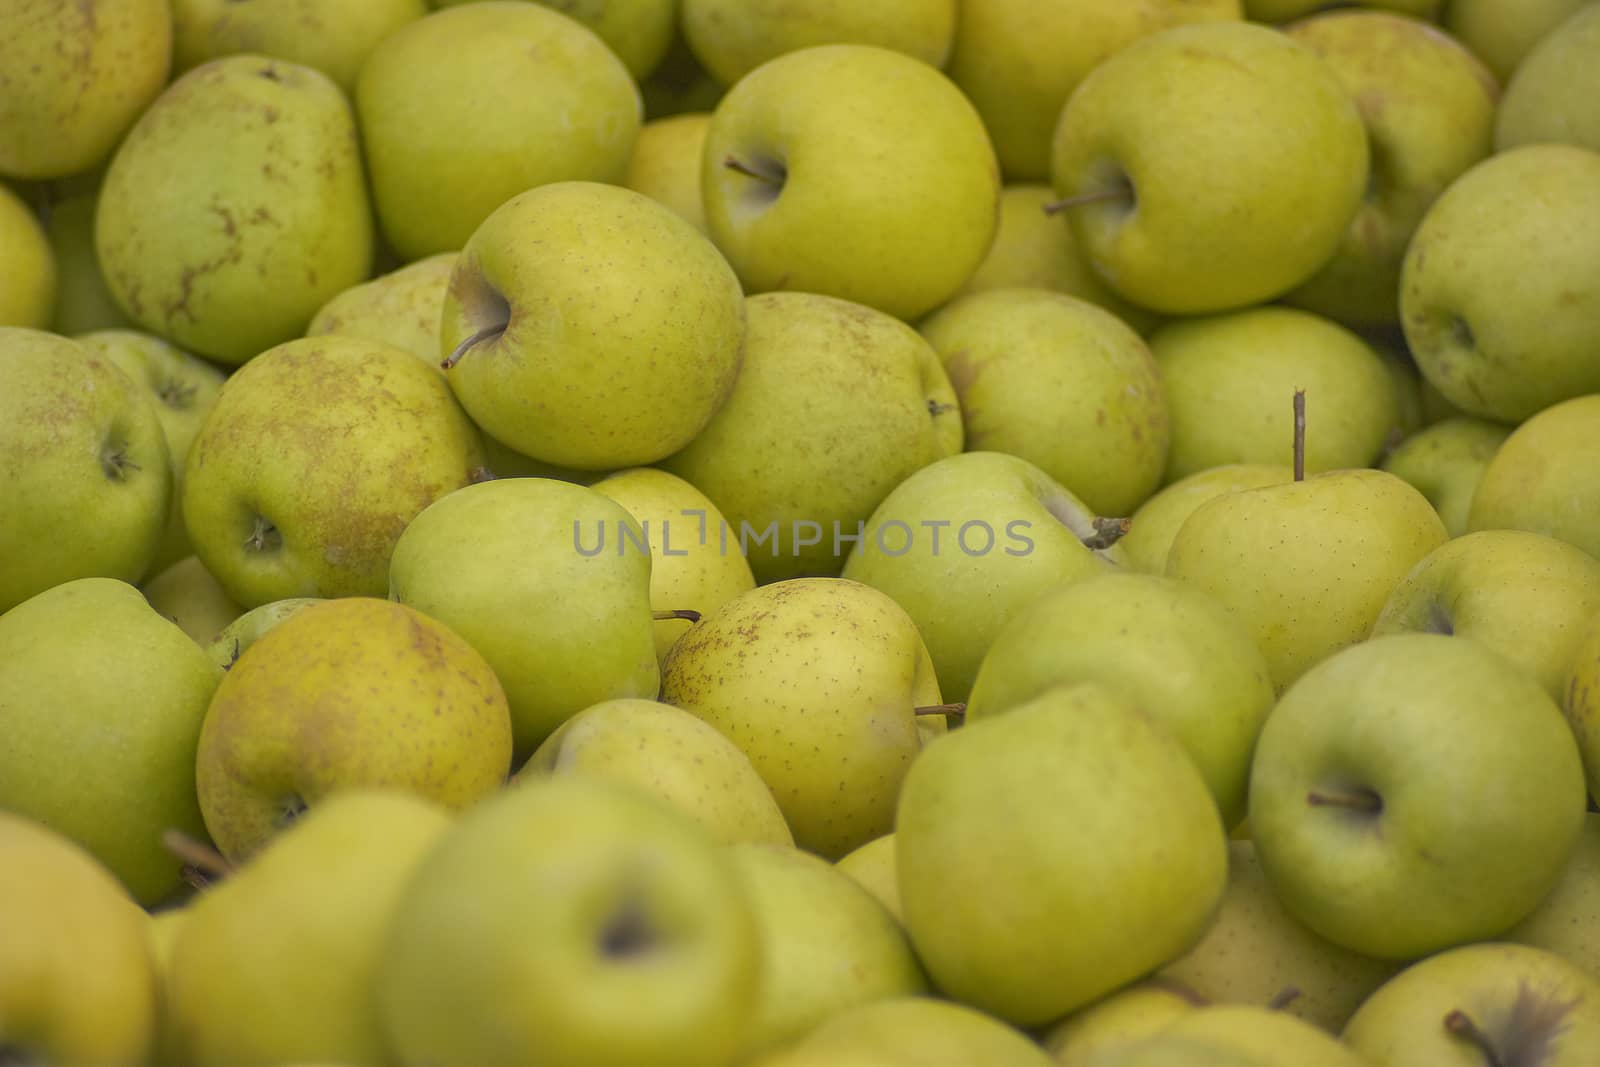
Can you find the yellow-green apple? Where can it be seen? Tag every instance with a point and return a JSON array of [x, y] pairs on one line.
[[590, 326], [817, 680], [1414, 792], [77, 984], [1166, 149], [671, 753], [1019, 61], [691, 573], [731, 38], [1307, 565], [103, 700], [1235, 1035], [1121, 1019], [83, 300], [1563, 922], [827, 944], [835, 404], [1492, 1003], [1581, 702], [348, 693], [1156, 522], [1502, 319], [1053, 854], [665, 164], [872, 865], [1228, 380], [1060, 382], [450, 104], [1525, 595], [1445, 460], [1501, 34], [235, 207], [1169, 650], [642, 950], [854, 171], [231, 641], [77, 76], [918, 1031], [1536, 481], [1429, 108], [1284, 10], [84, 468], [312, 461], [402, 308], [549, 581], [966, 543], [639, 32], [335, 40], [187, 594], [1551, 97], [29, 279]]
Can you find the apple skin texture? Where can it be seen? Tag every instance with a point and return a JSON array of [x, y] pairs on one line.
[[1532, 483], [1552, 96]]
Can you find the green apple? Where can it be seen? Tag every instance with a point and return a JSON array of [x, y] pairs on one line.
[[1120, 1019], [312, 461], [1019, 61], [665, 164], [1414, 792], [77, 76], [1564, 922], [689, 570], [639, 32], [1502, 318], [1501, 34], [83, 300], [235, 207], [1306, 566], [84, 467], [450, 104], [335, 40], [402, 308], [873, 867], [909, 1031], [1284, 10], [671, 753], [1581, 702], [1055, 853], [1429, 108], [77, 984], [549, 581], [1533, 484], [187, 594], [1445, 460], [1172, 651], [588, 325], [817, 680], [1527, 596], [1157, 520], [835, 404], [245, 630], [29, 278], [854, 171], [1228, 380], [1168, 147], [1551, 96], [731, 38], [349, 693], [103, 701], [1235, 1035], [1492, 1003], [571, 921], [1060, 382]]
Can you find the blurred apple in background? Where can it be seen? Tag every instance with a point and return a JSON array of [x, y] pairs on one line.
[[1534, 483], [1123, 1018], [665, 164], [402, 308], [1445, 461], [918, 1032], [27, 268], [873, 866], [192, 598], [1156, 522], [1501, 34], [1551, 97], [1235, 1034], [83, 300], [733, 37]]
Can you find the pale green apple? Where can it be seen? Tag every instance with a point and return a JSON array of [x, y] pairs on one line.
[[1221, 162], [1551, 97], [1502, 318], [235, 207], [1492, 1003], [77, 76], [29, 277], [854, 171], [1235, 1035], [1019, 61], [690, 571], [1156, 522], [1563, 922], [1120, 1019], [103, 701], [312, 461], [731, 38], [1407, 382], [671, 753], [1445, 460], [571, 921], [590, 326], [1053, 854], [1501, 34], [402, 308], [334, 39], [1527, 596], [349, 693], [872, 865], [231, 641], [1581, 702], [1534, 482], [83, 301], [640, 32], [1230, 379], [465, 108], [817, 680], [1306, 566], [920, 1031], [1414, 792], [77, 984], [1060, 382], [665, 164], [549, 581], [187, 594], [1284, 10], [84, 467], [1429, 108], [835, 404]]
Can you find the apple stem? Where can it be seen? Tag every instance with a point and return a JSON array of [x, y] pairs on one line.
[[198, 858], [1460, 1024], [1283, 998], [957, 711], [482, 335], [1299, 435], [1056, 207], [738, 166], [1364, 800], [1107, 532], [677, 613]]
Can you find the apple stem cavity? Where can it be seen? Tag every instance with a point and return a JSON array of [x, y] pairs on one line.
[[1358, 799], [485, 334], [936, 409], [289, 810], [114, 461], [687, 614], [627, 935], [770, 171], [264, 537], [1283, 998], [1299, 435], [1460, 1025], [203, 864]]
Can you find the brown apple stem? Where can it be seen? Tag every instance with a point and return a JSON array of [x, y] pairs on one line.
[[1283, 998], [1056, 207], [957, 711], [738, 166], [196, 855], [1107, 532], [679, 613], [1299, 435], [1364, 800], [482, 335], [1460, 1024]]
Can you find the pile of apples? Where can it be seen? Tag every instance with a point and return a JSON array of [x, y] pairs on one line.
[[757, 533]]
